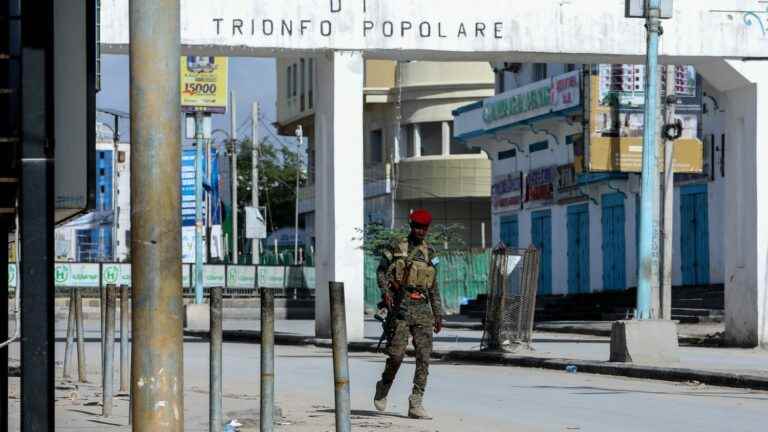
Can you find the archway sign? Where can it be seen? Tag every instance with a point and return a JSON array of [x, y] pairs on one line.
[[726, 40], [446, 29]]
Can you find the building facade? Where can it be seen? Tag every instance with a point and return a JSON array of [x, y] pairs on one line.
[[410, 156], [556, 187], [105, 233]]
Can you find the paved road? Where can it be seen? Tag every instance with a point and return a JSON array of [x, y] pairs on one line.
[[462, 398]]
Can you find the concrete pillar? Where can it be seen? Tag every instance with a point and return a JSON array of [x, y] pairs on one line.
[[746, 196], [339, 187], [446, 138], [416, 140]]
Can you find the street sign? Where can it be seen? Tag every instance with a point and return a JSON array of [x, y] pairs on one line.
[[204, 84], [637, 8], [255, 226]]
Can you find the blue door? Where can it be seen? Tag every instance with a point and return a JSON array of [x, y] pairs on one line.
[[694, 234], [508, 231], [578, 248], [541, 237], [614, 262]]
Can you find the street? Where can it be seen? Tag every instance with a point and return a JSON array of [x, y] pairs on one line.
[[460, 397]]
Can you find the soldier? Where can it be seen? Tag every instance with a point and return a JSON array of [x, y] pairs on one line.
[[407, 277]]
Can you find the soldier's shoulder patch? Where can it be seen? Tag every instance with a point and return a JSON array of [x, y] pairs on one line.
[[386, 253], [435, 261]]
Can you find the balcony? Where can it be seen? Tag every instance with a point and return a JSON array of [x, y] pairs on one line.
[[440, 177]]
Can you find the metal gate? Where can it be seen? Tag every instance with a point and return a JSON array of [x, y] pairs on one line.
[[513, 283]]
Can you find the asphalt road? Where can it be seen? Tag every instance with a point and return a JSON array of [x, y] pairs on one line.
[[461, 397]]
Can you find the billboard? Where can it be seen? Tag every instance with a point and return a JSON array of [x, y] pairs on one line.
[[204, 84], [506, 192], [616, 119]]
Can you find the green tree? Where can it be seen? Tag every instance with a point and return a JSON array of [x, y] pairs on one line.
[[278, 169], [376, 236]]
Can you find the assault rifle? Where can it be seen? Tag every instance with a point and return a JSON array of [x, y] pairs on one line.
[[388, 318]]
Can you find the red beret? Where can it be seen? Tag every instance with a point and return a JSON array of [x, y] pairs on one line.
[[421, 217]]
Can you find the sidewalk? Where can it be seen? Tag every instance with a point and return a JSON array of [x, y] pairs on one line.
[[730, 367]]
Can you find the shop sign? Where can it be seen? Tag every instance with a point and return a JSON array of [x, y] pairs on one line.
[[506, 191], [566, 91], [539, 184], [533, 100]]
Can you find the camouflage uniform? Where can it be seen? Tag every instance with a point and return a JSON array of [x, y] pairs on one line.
[[414, 317]]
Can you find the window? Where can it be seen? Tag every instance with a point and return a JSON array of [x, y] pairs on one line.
[[570, 67], [460, 147], [431, 139], [539, 71], [295, 80], [102, 172], [376, 146], [288, 88], [538, 146], [101, 155], [507, 154], [303, 84], [311, 80]]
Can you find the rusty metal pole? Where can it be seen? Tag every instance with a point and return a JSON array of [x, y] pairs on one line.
[[340, 357], [81, 372], [109, 352], [216, 419], [267, 359], [124, 365], [157, 382], [68, 349]]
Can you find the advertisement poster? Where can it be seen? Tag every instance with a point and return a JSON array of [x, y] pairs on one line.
[[539, 184], [617, 119], [204, 84], [506, 192]]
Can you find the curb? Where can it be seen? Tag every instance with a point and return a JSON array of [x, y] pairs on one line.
[[721, 379], [544, 328]]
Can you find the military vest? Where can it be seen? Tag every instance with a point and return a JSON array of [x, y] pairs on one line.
[[413, 270]]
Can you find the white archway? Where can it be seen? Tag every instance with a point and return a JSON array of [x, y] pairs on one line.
[[726, 40]]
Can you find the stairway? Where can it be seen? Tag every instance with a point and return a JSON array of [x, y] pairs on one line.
[[698, 304]]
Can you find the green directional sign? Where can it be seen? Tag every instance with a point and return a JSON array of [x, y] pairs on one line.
[[61, 274], [111, 273]]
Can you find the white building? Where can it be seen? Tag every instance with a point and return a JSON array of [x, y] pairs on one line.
[[411, 160], [94, 237], [547, 192]]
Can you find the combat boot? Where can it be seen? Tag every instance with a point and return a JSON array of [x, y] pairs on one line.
[[380, 399], [416, 410]]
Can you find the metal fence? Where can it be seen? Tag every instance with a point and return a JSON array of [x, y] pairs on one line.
[[514, 280], [236, 280], [461, 277]]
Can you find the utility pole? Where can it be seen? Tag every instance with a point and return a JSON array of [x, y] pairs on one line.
[[157, 372], [300, 135], [255, 148], [199, 116], [648, 269], [233, 140], [115, 179], [665, 296]]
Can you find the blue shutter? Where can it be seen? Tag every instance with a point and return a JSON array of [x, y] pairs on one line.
[[541, 236], [694, 234], [614, 268], [509, 231], [578, 248]]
